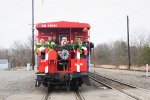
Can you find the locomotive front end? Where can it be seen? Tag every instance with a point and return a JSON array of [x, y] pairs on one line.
[[63, 52]]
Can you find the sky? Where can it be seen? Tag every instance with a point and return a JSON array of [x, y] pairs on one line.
[[106, 17]]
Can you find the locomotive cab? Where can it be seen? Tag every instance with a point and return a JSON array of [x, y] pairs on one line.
[[66, 63]]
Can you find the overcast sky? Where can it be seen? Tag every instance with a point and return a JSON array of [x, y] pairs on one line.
[[106, 17]]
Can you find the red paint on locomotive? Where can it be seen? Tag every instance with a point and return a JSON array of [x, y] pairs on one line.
[[50, 65]]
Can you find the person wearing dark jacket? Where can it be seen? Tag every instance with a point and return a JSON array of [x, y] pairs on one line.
[[86, 50]]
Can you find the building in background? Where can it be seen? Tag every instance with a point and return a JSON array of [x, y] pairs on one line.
[[4, 64]]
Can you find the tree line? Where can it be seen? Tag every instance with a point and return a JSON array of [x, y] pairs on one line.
[[19, 54], [116, 53]]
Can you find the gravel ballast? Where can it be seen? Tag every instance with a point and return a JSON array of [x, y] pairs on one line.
[[135, 78], [16, 82]]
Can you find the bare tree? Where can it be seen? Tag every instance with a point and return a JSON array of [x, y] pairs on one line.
[[20, 53], [139, 40]]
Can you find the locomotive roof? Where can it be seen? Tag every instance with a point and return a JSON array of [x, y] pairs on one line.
[[62, 24]]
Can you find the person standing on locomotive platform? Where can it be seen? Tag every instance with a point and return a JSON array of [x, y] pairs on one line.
[[65, 44], [54, 40], [79, 44], [40, 49], [40, 46], [86, 44], [84, 47], [49, 43]]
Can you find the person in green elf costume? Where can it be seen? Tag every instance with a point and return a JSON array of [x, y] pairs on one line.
[[72, 45], [78, 44], [40, 45], [50, 44]]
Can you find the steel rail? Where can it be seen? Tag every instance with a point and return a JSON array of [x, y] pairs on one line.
[[124, 83], [114, 88], [46, 96], [79, 96]]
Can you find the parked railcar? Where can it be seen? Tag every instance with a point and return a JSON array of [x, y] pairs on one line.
[[64, 64]]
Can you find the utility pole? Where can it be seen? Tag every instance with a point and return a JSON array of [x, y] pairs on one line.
[[129, 64], [94, 57], [33, 58]]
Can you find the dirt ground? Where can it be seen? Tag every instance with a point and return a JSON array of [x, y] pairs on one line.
[[19, 85], [14, 82]]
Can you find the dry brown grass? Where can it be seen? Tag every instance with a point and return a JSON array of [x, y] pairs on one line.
[[122, 67]]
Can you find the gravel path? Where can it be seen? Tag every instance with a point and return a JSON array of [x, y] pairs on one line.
[[19, 85], [131, 77], [14, 82]]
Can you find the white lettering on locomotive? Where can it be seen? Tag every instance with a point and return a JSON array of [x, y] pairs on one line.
[[49, 25], [52, 25], [43, 25]]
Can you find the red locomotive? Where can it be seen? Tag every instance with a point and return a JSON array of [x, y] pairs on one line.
[[66, 63]]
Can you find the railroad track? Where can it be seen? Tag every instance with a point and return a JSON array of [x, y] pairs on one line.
[[47, 95], [78, 95], [119, 86]]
